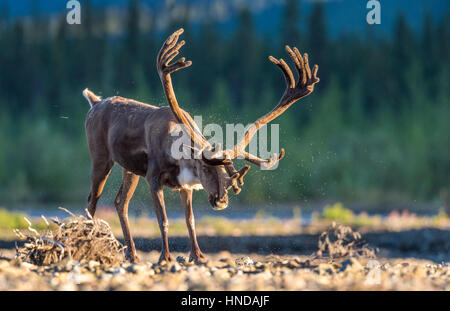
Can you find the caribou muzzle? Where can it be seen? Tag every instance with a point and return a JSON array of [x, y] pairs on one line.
[[218, 204]]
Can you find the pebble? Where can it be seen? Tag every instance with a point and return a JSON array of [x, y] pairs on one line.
[[119, 270], [244, 261], [175, 267], [93, 264], [136, 268], [230, 262], [293, 264], [350, 264]]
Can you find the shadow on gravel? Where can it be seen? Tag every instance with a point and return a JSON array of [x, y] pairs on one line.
[[432, 244]]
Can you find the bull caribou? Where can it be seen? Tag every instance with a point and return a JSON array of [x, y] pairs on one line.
[[138, 137]]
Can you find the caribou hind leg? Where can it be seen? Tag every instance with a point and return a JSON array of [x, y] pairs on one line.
[[99, 174], [126, 191]]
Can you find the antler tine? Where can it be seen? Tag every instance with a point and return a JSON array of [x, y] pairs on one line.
[[308, 70], [266, 164], [302, 64], [294, 91], [173, 38], [237, 176], [179, 64], [315, 71], [285, 69], [167, 53], [298, 60], [242, 172], [172, 53], [169, 43]]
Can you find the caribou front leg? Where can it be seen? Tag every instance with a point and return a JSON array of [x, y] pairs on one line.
[[160, 210], [196, 254]]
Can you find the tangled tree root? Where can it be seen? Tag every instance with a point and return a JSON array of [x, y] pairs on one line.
[[341, 241], [77, 238]]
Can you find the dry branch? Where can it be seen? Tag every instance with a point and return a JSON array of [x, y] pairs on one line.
[[340, 241], [77, 238]]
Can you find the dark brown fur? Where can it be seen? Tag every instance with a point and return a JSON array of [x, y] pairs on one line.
[[137, 137]]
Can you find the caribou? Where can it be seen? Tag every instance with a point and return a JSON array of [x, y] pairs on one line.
[[138, 137]]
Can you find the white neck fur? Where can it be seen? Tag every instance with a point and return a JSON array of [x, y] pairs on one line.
[[188, 180]]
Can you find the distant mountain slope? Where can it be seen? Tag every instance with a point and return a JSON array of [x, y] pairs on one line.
[[342, 15]]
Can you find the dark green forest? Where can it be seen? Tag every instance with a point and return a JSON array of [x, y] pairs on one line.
[[376, 128]]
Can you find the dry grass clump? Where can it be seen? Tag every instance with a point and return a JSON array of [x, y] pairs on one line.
[[340, 241], [77, 238]]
